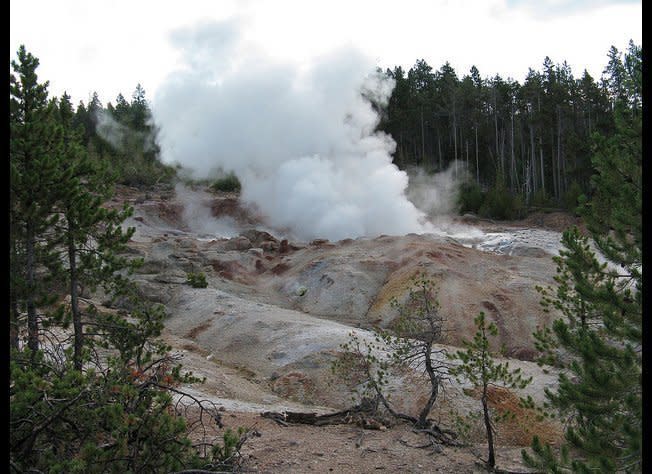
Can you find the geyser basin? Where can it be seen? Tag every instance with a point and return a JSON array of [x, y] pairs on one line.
[[521, 242]]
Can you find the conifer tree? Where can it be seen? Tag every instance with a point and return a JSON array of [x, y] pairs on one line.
[[35, 148], [91, 234], [598, 341], [480, 369], [71, 409]]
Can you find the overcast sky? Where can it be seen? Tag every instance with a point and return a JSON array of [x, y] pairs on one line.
[[110, 46]]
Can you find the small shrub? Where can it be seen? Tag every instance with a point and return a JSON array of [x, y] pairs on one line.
[[228, 184], [540, 199], [470, 198], [571, 197], [500, 204], [197, 280], [227, 455]]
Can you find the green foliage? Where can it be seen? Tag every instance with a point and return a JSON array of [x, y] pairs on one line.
[[536, 134], [120, 418], [545, 459], [228, 184], [465, 425], [124, 138], [226, 456], [362, 369], [103, 403], [138, 171], [417, 328], [541, 200], [571, 197], [470, 198], [197, 280], [36, 184], [597, 341], [500, 204], [477, 366]]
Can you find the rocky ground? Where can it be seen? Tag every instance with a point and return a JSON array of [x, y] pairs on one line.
[[265, 331]]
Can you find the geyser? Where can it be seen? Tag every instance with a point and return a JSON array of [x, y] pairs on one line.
[[301, 138]]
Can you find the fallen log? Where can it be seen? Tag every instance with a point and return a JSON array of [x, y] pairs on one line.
[[358, 415], [363, 415]]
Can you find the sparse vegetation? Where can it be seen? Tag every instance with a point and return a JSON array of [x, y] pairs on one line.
[[410, 346], [197, 279], [478, 367], [227, 184], [363, 370]]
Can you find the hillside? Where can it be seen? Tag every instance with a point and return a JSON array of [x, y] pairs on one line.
[[271, 320]]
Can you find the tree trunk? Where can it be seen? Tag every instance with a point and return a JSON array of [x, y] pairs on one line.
[[512, 169], [423, 138], [496, 122], [466, 142], [74, 301], [439, 149], [477, 162], [14, 327], [14, 314], [561, 167], [555, 184], [434, 387], [533, 166], [32, 318], [491, 462], [543, 183], [455, 138]]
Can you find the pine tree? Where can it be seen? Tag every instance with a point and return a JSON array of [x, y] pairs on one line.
[[480, 369], [141, 121], [72, 409], [35, 148], [91, 234], [418, 328], [598, 340]]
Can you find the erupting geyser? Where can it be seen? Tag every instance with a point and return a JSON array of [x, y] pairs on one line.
[[301, 139]]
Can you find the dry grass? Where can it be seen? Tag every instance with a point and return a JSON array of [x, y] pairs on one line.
[[518, 429]]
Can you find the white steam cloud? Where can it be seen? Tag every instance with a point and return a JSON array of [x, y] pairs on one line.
[[197, 215], [110, 130], [118, 135], [436, 194], [301, 139]]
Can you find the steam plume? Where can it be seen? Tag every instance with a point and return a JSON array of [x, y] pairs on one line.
[[119, 135], [301, 139]]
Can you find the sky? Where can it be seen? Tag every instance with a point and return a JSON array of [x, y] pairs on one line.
[[110, 46]]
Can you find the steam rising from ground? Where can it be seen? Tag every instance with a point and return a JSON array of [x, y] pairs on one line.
[[118, 135], [436, 194], [301, 139], [197, 215]]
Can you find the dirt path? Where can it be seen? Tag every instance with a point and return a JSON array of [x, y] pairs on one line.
[[350, 449]]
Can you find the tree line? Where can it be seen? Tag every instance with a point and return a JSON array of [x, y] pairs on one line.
[[531, 140], [124, 136]]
